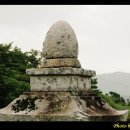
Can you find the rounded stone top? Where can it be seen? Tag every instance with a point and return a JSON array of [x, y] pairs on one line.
[[60, 42]]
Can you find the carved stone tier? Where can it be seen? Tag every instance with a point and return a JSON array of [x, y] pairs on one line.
[[60, 79], [60, 62]]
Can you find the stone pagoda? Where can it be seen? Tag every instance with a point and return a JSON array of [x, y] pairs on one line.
[[60, 86]]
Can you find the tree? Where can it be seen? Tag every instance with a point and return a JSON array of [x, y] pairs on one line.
[[94, 87], [113, 99], [117, 98], [128, 102], [13, 65]]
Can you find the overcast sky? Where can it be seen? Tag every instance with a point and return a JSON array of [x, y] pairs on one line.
[[103, 31]]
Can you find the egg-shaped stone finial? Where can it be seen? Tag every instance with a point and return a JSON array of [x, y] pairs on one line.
[[60, 42]]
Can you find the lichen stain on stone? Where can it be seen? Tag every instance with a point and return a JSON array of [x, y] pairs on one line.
[[49, 88], [22, 104], [51, 80], [61, 70], [44, 83], [70, 89], [39, 78], [84, 84], [56, 103], [51, 71]]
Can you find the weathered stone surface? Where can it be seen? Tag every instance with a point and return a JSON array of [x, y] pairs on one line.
[[60, 41], [61, 71], [57, 106], [60, 62], [60, 79], [49, 106], [59, 83], [76, 116]]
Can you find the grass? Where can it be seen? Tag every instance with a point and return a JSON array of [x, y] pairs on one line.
[[117, 106]]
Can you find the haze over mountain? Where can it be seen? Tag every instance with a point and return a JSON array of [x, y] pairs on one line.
[[117, 82]]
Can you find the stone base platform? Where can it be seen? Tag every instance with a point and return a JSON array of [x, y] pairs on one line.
[[57, 106]]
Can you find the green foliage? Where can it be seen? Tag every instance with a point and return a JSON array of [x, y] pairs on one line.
[[13, 64], [113, 99], [117, 98], [120, 105], [94, 88], [128, 102]]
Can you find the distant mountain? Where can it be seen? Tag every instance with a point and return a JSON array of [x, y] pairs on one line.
[[118, 82]]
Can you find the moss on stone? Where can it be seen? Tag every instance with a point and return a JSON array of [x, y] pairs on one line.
[[23, 104]]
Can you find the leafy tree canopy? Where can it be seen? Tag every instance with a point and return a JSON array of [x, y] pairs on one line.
[[13, 65]]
